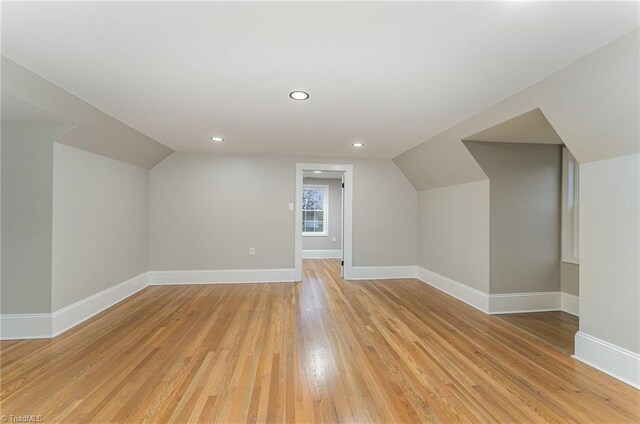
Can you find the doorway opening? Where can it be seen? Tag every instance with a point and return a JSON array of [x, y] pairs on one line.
[[323, 214]]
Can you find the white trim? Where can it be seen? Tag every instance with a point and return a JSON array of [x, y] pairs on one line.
[[47, 325], [618, 362], [72, 315], [25, 326], [461, 291], [322, 254], [382, 272], [509, 303], [221, 276], [519, 303], [570, 304], [347, 221], [516, 303], [570, 208]]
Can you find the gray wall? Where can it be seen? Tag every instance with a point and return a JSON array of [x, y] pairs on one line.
[[27, 171], [100, 223], [207, 211], [385, 215], [569, 278], [525, 184], [335, 217], [610, 250], [453, 233]]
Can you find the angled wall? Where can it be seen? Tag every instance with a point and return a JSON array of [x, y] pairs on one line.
[[525, 183], [593, 104], [27, 198], [95, 131], [74, 224], [100, 224], [453, 233]]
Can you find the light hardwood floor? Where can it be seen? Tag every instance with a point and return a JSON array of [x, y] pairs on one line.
[[554, 328], [323, 350]]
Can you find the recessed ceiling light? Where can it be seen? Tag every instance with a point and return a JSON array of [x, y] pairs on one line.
[[217, 139], [317, 172], [299, 95], [358, 144]]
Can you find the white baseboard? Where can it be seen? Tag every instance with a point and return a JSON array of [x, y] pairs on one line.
[[72, 315], [47, 325], [518, 303], [570, 304], [611, 359], [515, 303], [382, 272], [618, 362], [220, 276], [510, 303], [25, 326], [322, 254], [460, 291]]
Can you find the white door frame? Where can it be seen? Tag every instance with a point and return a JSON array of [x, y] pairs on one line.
[[347, 241]]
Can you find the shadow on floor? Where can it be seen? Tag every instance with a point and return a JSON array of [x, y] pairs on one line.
[[555, 328]]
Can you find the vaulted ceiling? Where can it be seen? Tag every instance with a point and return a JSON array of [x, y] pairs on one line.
[[28, 97], [389, 74], [592, 105]]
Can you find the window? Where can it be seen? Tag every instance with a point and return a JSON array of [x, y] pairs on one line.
[[315, 207], [570, 207]]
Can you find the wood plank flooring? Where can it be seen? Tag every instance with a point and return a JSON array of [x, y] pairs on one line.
[[556, 328], [324, 350]]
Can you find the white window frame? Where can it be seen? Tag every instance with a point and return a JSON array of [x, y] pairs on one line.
[[325, 211], [570, 207]]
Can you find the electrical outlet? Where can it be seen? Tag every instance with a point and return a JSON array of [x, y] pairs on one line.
[[334, 239], [290, 206], [252, 251]]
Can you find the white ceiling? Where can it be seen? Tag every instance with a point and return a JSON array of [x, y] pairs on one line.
[[389, 74]]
